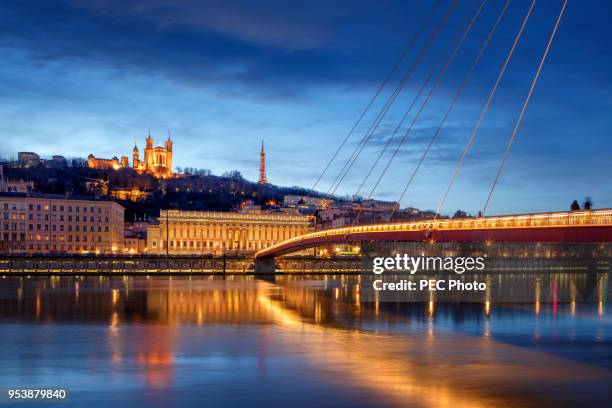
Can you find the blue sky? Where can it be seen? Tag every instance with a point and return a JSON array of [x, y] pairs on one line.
[[82, 77]]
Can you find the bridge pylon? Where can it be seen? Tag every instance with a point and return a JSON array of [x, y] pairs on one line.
[[265, 266]]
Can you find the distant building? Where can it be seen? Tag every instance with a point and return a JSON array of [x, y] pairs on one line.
[[157, 160], [378, 205], [136, 237], [133, 194], [14, 186], [135, 244], [97, 187], [342, 222], [28, 159], [297, 201], [57, 162], [47, 223], [196, 232]]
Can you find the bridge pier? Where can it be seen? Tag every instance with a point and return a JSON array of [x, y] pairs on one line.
[[265, 266]]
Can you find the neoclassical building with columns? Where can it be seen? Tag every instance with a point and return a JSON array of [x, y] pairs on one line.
[[200, 232]]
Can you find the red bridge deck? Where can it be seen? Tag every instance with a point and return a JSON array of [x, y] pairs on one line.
[[561, 227]]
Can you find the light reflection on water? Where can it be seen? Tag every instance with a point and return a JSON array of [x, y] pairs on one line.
[[304, 341]]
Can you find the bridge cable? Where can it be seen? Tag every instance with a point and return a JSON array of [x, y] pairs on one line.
[[407, 48], [484, 109], [353, 157], [407, 112], [434, 87], [454, 101], [527, 99], [399, 87]]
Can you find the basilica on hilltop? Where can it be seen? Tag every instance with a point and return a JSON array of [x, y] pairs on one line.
[[157, 161]]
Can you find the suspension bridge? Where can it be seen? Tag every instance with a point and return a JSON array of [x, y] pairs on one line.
[[586, 226]]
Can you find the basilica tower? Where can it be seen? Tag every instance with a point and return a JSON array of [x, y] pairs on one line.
[[135, 157], [169, 153]]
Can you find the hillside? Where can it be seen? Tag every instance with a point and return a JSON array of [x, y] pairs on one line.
[[201, 191]]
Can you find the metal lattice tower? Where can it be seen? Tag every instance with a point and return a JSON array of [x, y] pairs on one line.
[[262, 166]]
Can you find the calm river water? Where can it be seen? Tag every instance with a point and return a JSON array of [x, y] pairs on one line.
[[297, 341]]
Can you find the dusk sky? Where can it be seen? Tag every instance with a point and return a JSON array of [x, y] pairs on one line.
[[80, 77]]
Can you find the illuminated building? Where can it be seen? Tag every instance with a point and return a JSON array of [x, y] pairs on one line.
[[133, 194], [135, 244], [47, 223], [157, 160], [262, 166], [196, 232], [97, 163], [301, 201], [136, 237]]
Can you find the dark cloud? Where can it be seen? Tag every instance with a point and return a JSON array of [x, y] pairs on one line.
[[225, 74]]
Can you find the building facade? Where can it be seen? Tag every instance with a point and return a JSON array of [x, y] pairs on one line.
[[46, 223], [28, 159], [157, 160], [14, 185], [197, 232]]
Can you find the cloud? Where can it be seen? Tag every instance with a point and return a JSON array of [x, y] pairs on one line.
[[261, 23]]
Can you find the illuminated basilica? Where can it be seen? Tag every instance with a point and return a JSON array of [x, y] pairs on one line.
[[157, 161]]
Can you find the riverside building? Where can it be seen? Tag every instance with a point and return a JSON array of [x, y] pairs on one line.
[[197, 232], [48, 223]]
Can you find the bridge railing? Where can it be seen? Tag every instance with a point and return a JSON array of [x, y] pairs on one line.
[[540, 220]]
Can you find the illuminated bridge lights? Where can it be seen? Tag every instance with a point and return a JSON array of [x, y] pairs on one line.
[[565, 219]]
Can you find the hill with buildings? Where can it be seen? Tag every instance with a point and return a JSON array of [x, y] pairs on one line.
[[143, 195]]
